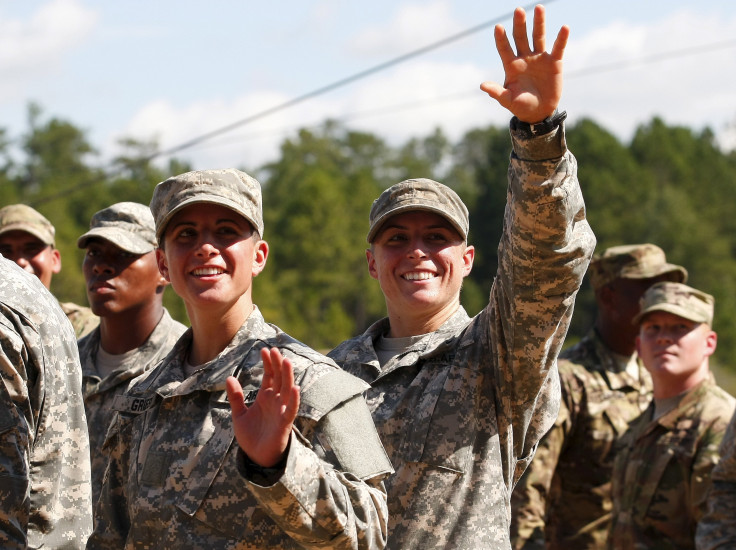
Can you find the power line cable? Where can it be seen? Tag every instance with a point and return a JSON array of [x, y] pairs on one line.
[[335, 85]]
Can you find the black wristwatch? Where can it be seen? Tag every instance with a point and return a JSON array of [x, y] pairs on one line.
[[539, 128]]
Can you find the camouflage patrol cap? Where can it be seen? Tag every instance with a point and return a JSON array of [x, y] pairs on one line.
[[633, 261], [231, 188], [678, 299], [419, 194], [127, 225], [19, 217]]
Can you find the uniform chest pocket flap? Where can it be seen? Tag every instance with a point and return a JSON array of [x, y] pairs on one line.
[[443, 428]]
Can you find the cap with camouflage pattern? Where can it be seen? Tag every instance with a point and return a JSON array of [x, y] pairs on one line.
[[678, 299], [419, 194], [19, 217], [127, 225], [633, 261], [231, 188]]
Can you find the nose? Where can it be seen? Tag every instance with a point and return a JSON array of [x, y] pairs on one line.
[[102, 267], [417, 249], [206, 249]]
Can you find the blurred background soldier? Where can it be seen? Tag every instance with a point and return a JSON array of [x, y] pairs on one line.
[[126, 290], [564, 498], [44, 458], [717, 529], [27, 238], [661, 474]]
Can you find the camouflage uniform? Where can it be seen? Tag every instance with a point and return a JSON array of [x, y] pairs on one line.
[[178, 479], [662, 471], [461, 412], [572, 466], [44, 486], [82, 319], [99, 394], [717, 528], [563, 500]]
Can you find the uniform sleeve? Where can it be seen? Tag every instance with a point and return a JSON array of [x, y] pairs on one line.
[[320, 505], [717, 528], [16, 429], [543, 255]]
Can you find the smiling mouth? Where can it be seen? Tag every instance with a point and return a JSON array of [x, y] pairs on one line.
[[419, 276], [205, 271]]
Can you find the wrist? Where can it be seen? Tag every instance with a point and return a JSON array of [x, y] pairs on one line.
[[530, 130]]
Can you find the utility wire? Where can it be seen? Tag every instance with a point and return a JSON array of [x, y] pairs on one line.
[[338, 84], [654, 58]]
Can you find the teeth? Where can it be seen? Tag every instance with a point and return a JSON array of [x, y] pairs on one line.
[[207, 271], [418, 276]]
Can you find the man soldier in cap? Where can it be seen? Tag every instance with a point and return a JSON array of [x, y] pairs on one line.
[[45, 497], [126, 290], [563, 500], [461, 403], [293, 462], [661, 473], [27, 238]]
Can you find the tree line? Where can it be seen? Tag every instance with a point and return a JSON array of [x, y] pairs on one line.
[[670, 185]]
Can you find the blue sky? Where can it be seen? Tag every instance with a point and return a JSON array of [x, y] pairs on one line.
[[174, 70]]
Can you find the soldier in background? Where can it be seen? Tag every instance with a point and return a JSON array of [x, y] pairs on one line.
[[28, 239], [661, 474], [125, 289], [44, 457], [717, 528], [563, 500], [461, 403]]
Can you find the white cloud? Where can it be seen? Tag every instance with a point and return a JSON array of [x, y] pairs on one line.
[[412, 26], [33, 47], [686, 86]]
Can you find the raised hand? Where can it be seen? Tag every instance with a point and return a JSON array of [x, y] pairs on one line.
[[264, 428], [533, 83]]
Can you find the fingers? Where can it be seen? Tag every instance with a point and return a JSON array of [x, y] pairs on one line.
[[235, 396], [520, 36], [496, 91], [538, 31], [505, 52], [558, 49], [278, 371]]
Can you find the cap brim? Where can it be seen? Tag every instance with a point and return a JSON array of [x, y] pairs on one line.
[[222, 201], [27, 229], [122, 239], [380, 222]]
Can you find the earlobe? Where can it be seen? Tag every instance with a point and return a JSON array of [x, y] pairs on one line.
[[162, 267], [56, 268], [260, 255], [371, 263], [468, 258]]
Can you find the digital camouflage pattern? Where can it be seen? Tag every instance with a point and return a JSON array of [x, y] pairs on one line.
[[174, 478], [662, 471], [44, 486], [82, 319], [99, 394], [229, 187], [127, 225], [419, 194], [461, 412], [563, 500], [677, 299], [20, 217], [717, 528], [633, 261]]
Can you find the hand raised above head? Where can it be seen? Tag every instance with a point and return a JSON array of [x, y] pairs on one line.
[[533, 78], [264, 428]]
